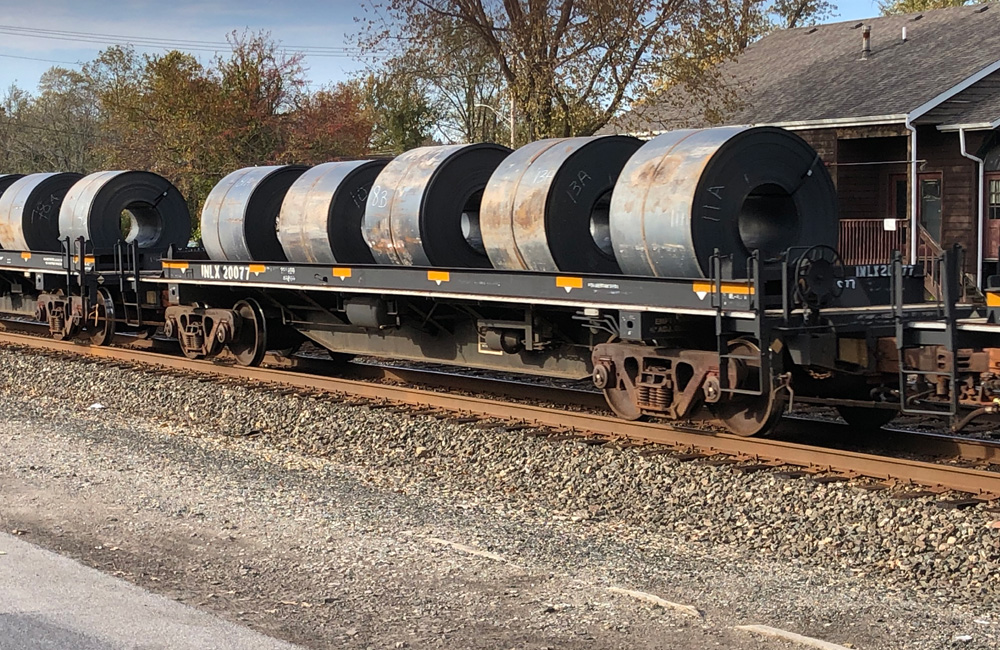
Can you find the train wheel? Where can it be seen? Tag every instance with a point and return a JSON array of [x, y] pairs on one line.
[[867, 419], [748, 415], [619, 389], [250, 342], [102, 324]]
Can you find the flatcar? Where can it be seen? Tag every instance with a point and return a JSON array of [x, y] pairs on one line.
[[691, 277]]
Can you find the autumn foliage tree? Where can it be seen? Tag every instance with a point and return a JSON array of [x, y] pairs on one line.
[[568, 65], [190, 122]]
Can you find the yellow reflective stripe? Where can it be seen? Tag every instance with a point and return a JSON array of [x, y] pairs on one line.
[[727, 287], [564, 282]]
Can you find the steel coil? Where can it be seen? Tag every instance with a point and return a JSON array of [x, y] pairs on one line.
[[94, 207], [321, 216], [6, 180], [29, 211], [239, 218], [687, 193], [424, 207], [546, 206]]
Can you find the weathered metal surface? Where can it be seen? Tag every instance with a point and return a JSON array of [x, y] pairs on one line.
[[94, 206], [6, 180], [238, 220], [735, 189], [323, 210], [546, 206], [29, 211], [423, 209]]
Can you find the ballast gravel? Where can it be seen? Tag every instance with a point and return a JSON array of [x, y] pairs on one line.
[[401, 530]]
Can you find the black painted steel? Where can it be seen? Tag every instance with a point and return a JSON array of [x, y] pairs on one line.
[[29, 211], [735, 189], [323, 210], [6, 180], [239, 218], [424, 207], [546, 206], [94, 208]]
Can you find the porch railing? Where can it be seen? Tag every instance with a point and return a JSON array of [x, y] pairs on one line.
[[866, 241]]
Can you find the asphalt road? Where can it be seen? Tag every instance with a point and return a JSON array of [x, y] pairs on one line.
[[48, 602]]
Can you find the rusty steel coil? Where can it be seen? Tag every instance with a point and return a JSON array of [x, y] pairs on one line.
[[737, 189], [6, 180], [424, 207], [546, 206], [239, 218], [157, 214], [29, 211], [321, 216]]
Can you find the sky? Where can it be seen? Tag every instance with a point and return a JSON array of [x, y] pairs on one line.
[[323, 28]]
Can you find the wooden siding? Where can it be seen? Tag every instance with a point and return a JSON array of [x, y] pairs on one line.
[[864, 167], [824, 141], [959, 188], [864, 191]]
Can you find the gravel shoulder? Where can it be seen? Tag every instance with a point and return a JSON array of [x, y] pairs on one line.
[[344, 526]]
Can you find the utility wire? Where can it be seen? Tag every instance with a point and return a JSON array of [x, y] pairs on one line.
[[161, 43], [31, 58]]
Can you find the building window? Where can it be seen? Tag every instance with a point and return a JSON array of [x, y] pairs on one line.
[[930, 206], [993, 201]]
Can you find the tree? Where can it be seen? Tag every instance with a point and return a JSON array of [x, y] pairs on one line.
[[327, 124], [569, 64], [400, 111], [52, 131], [259, 83], [915, 6], [788, 14]]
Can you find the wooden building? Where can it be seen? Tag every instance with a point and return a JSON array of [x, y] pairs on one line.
[[904, 111]]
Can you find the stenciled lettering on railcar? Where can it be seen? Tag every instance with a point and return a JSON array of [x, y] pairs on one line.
[[233, 272], [882, 270]]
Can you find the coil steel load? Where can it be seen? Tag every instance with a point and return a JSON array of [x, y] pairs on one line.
[[424, 207], [735, 189], [239, 219], [94, 207], [323, 210], [6, 180], [546, 206], [29, 211]]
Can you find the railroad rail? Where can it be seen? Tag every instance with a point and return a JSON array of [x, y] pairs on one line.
[[983, 485]]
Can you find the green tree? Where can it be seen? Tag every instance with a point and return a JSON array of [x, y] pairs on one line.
[[401, 113]]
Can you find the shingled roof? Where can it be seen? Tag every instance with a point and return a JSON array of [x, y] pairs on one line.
[[817, 75]]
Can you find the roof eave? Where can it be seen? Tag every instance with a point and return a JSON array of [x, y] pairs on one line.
[[868, 120], [970, 126], [951, 92], [800, 125]]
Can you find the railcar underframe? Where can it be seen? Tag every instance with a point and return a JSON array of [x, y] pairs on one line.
[[735, 351]]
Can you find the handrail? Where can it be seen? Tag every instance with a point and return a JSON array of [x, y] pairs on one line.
[[867, 241], [929, 252]]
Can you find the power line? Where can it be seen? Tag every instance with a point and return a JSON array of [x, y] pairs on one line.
[[161, 43], [31, 58]]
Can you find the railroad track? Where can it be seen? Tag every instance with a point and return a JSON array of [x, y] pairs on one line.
[[965, 473]]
